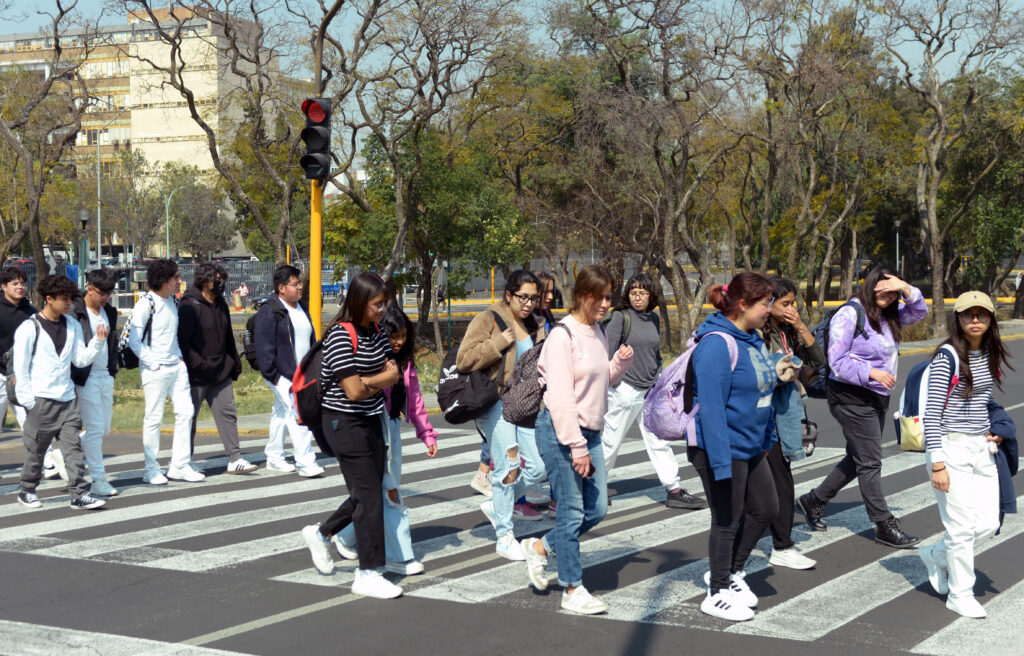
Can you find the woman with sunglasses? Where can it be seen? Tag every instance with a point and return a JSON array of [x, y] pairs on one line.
[[863, 353], [518, 467], [961, 448]]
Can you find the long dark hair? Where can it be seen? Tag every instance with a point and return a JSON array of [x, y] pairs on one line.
[[639, 281], [874, 314], [394, 321], [997, 353], [517, 279], [362, 288]]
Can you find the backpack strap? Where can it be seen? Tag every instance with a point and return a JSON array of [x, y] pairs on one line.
[[35, 342], [351, 330], [730, 342], [626, 321], [147, 331], [954, 371]]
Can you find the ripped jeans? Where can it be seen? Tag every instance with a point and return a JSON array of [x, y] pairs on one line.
[[509, 443]]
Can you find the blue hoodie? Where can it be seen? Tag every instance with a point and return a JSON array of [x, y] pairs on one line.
[[734, 421]]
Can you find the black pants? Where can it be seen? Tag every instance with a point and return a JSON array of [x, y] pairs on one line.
[[358, 443], [782, 476], [742, 507]]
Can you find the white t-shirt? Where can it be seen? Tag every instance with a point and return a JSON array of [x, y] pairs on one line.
[[95, 321], [303, 331]]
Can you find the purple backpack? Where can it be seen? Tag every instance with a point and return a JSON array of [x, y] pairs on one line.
[[670, 411]]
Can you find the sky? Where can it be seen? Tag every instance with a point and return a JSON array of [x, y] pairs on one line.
[[23, 16]]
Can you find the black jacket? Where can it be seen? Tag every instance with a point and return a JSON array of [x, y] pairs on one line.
[[274, 338], [11, 317], [80, 374], [206, 339]]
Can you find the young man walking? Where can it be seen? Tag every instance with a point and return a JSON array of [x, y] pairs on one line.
[[154, 339], [211, 357], [94, 385], [14, 309], [45, 347], [282, 334]]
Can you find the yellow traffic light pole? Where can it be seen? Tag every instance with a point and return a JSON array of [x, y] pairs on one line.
[[315, 254]]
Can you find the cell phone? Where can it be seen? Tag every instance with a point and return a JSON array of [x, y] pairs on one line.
[[590, 471]]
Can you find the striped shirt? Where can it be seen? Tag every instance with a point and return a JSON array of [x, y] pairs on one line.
[[340, 362], [960, 415]]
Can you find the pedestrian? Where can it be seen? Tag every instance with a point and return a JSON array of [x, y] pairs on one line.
[[14, 309], [862, 366], [211, 357], [283, 334], [243, 293], [404, 397], [154, 339], [961, 448], [547, 299], [45, 347], [786, 334], [575, 367], [642, 332], [518, 468], [94, 385], [356, 376]]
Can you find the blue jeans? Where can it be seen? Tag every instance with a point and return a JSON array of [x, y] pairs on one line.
[[397, 533], [582, 502], [509, 479]]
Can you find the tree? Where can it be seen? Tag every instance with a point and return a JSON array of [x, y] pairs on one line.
[[200, 225]]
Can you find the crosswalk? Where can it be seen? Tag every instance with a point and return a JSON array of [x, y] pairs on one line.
[[645, 561]]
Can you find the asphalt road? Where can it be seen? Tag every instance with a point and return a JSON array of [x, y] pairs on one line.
[[219, 567]]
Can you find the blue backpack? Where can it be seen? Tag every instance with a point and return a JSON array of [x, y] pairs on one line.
[[815, 383]]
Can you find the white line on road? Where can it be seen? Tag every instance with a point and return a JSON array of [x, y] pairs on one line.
[[39, 639], [969, 636]]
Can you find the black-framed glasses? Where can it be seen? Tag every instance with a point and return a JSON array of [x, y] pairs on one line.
[[639, 293], [527, 300]]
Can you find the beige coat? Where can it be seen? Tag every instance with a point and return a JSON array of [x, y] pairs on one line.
[[483, 343]]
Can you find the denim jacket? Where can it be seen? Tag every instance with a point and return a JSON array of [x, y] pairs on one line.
[[788, 406]]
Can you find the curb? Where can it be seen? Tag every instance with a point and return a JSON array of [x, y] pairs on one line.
[[929, 349]]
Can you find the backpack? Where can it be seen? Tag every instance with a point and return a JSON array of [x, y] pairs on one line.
[[914, 401], [523, 393], [815, 380], [8, 365], [248, 343], [466, 396], [670, 410], [626, 320], [126, 358]]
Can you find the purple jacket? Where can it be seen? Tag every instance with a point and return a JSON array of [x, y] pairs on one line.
[[415, 409], [851, 360]]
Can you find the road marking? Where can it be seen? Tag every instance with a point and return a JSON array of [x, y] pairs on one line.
[[39, 639], [967, 636]]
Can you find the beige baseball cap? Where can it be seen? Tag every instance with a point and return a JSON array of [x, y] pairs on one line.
[[967, 300]]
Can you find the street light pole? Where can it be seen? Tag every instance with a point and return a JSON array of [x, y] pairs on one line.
[[83, 248], [167, 222], [899, 264]]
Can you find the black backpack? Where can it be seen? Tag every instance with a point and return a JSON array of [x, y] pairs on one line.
[[466, 396], [814, 379], [248, 343], [7, 362]]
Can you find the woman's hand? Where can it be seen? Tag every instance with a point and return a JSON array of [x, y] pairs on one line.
[[431, 450], [994, 438], [893, 284], [940, 480], [792, 316], [582, 466], [883, 378], [625, 352]]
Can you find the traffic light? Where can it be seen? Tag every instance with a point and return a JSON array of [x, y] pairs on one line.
[[317, 137]]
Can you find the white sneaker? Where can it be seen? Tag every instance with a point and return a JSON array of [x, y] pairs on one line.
[[724, 605], [371, 583], [487, 508], [411, 568], [791, 558], [535, 564], [311, 471], [319, 549], [535, 496], [966, 606], [240, 466], [507, 547], [937, 576], [346, 551], [155, 479], [280, 466], [482, 483], [186, 474], [583, 602], [738, 588]]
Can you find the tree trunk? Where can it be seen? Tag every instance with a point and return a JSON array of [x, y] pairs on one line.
[[1018, 303], [848, 257], [425, 295], [438, 346]]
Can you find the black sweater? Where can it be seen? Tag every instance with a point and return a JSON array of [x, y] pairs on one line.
[[11, 317], [206, 339]]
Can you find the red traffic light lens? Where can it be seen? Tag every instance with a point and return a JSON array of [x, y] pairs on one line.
[[313, 111]]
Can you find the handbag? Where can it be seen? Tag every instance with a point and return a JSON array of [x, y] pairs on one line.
[[810, 433]]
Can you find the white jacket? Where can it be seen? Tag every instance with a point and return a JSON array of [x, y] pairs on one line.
[[161, 346], [47, 375]]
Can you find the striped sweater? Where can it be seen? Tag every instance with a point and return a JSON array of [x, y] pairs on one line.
[[340, 362], [959, 415]]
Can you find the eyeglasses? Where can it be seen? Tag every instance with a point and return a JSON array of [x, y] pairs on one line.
[[293, 284], [970, 317], [18, 283], [527, 300], [639, 293], [380, 306]]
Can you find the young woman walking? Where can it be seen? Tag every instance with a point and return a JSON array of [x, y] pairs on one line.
[[547, 299], [636, 323], [734, 431], [353, 408], [960, 448], [575, 367], [513, 449], [863, 354]]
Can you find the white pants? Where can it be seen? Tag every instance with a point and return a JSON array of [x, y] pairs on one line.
[[969, 510], [625, 404], [96, 403], [284, 419], [158, 384], [19, 412]]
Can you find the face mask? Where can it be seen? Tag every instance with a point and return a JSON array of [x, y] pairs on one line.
[[218, 287]]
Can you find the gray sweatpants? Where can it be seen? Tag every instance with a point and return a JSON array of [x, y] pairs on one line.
[[221, 399], [49, 419]]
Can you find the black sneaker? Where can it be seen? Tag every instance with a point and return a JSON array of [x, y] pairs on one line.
[[890, 534], [87, 502], [681, 499], [29, 500], [813, 511]]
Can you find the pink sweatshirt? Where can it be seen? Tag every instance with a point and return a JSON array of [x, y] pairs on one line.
[[577, 373], [415, 409]]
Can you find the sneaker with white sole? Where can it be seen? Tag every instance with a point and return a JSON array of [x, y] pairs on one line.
[[738, 588], [535, 564], [240, 466], [508, 547], [87, 502], [186, 474], [482, 483], [280, 466], [101, 487], [487, 508], [310, 471], [937, 576], [791, 558], [724, 605], [319, 548], [346, 551], [535, 496], [966, 606], [29, 500], [526, 513], [371, 583], [409, 568], [157, 478], [582, 602]]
